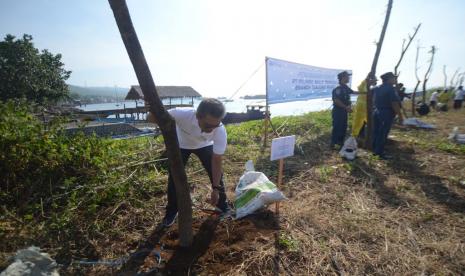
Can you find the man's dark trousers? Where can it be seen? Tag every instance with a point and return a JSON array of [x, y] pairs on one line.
[[382, 122], [205, 155], [339, 126]]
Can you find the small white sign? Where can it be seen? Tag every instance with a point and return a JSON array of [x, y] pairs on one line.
[[282, 147]]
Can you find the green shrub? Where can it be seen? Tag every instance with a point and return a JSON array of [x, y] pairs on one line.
[[36, 164]]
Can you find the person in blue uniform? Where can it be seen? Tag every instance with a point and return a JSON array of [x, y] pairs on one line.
[[387, 106], [341, 107]]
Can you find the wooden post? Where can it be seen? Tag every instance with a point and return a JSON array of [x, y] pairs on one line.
[[280, 181], [163, 119], [267, 116], [368, 141]]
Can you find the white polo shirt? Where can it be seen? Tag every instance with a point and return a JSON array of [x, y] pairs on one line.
[[434, 97], [190, 136]]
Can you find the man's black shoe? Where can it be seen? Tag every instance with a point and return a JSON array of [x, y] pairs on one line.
[[385, 157], [169, 219]]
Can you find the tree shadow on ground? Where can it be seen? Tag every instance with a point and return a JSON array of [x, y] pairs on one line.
[[132, 265], [364, 171], [183, 260], [432, 185]]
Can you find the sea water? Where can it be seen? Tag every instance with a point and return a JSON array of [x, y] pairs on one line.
[[237, 105]]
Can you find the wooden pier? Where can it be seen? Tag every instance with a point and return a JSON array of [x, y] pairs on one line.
[[130, 113]]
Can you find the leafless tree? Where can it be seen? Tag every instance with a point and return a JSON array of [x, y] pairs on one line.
[[428, 72], [418, 80], [405, 48], [444, 72], [368, 141], [460, 79], [453, 83], [164, 120]]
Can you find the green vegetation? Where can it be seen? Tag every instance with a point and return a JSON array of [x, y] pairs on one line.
[[83, 197], [30, 74], [52, 180]]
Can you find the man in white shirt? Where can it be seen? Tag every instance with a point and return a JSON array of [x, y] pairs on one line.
[[433, 100], [459, 97], [200, 132]]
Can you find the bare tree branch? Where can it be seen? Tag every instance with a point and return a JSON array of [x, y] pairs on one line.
[[453, 78], [405, 48], [418, 80], [444, 72], [428, 72]]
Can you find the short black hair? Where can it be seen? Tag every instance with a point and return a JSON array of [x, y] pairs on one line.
[[212, 107], [460, 87]]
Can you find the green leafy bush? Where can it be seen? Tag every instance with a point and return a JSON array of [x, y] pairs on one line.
[[36, 164]]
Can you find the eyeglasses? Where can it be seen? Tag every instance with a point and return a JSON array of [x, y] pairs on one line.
[[208, 126]]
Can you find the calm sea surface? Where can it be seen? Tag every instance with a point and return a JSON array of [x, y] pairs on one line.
[[239, 105]]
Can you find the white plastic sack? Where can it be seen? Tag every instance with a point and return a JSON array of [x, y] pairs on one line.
[[456, 137], [415, 122], [254, 191], [31, 261], [349, 150]]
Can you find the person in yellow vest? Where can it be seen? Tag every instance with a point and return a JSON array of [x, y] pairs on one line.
[[359, 118], [444, 97]]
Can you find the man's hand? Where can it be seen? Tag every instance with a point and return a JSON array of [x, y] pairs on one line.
[[349, 109], [214, 197]]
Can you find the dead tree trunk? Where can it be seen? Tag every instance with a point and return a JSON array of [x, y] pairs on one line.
[[368, 141], [418, 81], [428, 73], [405, 48], [460, 79], [452, 80], [444, 72], [163, 119]]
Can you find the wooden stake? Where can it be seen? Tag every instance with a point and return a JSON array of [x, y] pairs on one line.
[[280, 181], [267, 112], [265, 131]]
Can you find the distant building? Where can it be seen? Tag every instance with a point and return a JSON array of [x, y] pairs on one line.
[[170, 95]]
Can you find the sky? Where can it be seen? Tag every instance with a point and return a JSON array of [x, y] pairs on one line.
[[216, 45]]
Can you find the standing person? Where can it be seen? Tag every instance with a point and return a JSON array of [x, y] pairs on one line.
[[360, 111], [459, 97], [433, 100], [387, 106], [200, 132], [341, 106], [402, 95], [443, 99]]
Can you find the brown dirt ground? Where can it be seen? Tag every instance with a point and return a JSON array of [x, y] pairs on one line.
[[403, 216]]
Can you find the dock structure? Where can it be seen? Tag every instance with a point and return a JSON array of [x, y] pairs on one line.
[[171, 96]]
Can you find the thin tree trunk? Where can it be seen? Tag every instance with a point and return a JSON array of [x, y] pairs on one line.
[[444, 72], [428, 73], [368, 142], [163, 118], [452, 81], [414, 97], [404, 49], [418, 80]]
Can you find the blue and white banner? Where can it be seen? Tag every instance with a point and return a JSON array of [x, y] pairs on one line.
[[289, 81]]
